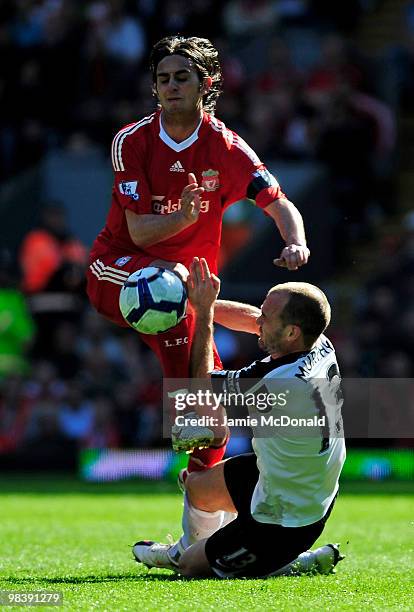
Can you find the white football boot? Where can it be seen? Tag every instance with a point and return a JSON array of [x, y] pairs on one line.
[[188, 437], [154, 554], [327, 557], [311, 562]]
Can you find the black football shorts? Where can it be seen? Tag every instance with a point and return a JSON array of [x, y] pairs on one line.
[[245, 547]]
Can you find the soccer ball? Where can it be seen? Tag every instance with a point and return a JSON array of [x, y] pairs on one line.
[[152, 300]]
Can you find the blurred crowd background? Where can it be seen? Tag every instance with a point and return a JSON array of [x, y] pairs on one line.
[[305, 82]]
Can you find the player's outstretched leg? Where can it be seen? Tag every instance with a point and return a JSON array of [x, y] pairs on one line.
[[312, 562]]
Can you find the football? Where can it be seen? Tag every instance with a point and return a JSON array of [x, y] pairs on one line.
[[153, 300]]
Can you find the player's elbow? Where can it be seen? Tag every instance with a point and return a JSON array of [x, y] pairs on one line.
[[138, 230], [185, 568], [278, 207], [193, 562], [140, 237]]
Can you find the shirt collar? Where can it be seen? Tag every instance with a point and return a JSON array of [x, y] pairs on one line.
[[179, 146]]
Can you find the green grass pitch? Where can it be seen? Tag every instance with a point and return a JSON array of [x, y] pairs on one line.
[[57, 534]]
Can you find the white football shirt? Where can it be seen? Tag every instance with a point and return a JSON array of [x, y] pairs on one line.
[[299, 467]]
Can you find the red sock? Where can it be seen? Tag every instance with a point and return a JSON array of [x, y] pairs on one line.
[[204, 458]]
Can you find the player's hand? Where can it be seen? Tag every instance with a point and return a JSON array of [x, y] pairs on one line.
[[293, 257], [203, 286], [190, 199]]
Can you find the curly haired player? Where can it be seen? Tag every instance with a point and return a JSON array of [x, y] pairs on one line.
[[176, 172]]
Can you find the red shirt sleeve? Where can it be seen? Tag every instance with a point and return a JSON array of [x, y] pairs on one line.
[[247, 177], [130, 189]]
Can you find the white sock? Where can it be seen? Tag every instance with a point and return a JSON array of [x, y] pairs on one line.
[[228, 518], [197, 525]]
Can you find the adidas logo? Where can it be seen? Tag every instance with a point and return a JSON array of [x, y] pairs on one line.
[[177, 167]]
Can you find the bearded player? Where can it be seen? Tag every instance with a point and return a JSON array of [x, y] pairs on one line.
[[176, 172]]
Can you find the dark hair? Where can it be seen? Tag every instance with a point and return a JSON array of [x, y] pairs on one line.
[[203, 55], [307, 307]]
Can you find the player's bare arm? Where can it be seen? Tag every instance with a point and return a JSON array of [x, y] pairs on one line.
[[290, 225], [146, 230], [202, 288], [237, 316]]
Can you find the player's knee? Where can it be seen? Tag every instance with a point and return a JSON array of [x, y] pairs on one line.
[[176, 267]]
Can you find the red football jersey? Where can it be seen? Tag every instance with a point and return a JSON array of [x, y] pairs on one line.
[[151, 170]]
